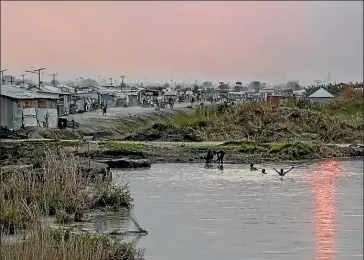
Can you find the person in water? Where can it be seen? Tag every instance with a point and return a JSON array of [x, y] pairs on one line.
[[209, 157], [220, 156], [263, 171], [252, 168], [282, 172]]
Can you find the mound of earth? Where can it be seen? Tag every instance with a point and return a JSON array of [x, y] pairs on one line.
[[160, 132]]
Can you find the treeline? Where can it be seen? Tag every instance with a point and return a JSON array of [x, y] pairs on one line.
[[334, 89]]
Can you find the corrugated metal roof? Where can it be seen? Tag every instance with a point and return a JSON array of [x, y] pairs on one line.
[[20, 93], [170, 93], [68, 88], [50, 89], [321, 93]]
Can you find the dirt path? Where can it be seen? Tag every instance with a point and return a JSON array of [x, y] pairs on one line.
[[95, 121]]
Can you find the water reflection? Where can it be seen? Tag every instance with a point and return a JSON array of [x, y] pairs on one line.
[[105, 223], [324, 179], [197, 213]]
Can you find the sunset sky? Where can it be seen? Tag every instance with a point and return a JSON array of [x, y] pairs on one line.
[[219, 41]]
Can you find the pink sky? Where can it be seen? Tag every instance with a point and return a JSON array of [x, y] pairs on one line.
[[272, 41]]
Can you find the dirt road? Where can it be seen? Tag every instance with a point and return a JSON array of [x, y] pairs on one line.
[[95, 121]]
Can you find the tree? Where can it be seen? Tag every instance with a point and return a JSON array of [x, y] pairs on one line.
[[195, 88], [256, 85], [88, 82], [157, 88], [223, 86], [237, 88], [209, 90], [178, 87], [207, 84], [293, 84], [166, 85]]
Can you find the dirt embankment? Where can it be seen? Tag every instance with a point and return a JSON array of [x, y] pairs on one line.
[[236, 152], [136, 153], [255, 123]]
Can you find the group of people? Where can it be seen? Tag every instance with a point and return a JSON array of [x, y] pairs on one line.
[[281, 172], [209, 158]]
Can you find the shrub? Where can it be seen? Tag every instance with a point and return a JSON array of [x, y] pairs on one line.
[[115, 197]]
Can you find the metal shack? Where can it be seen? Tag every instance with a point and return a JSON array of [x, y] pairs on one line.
[[20, 107], [321, 97], [170, 94], [64, 98]]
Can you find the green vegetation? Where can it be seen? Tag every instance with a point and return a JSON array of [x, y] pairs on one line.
[[338, 122], [115, 197], [127, 148], [295, 149], [335, 89], [262, 123], [51, 133], [60, 244]]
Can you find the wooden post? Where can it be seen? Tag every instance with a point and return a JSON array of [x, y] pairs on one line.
[[46, 119], [22, 119], [89, 157]]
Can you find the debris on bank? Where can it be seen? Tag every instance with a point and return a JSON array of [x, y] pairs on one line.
[[160, 132], [126, 163], [6, 133]]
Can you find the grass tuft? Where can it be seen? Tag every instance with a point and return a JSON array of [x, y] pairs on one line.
[[60, 244]]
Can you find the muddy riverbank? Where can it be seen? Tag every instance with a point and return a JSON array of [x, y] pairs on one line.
[[141, 154]]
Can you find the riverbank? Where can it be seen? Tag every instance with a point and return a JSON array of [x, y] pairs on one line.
[[236, 152], [337, 122], [27, 152], [340, 122], [56, 185]]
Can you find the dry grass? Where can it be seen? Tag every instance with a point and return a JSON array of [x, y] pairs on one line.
[[264, 123], [61, 245], [58, 186]]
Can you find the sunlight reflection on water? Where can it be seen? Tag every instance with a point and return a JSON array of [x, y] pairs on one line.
[[197, 213]]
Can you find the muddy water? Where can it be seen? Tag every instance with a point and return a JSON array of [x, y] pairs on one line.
[[315, 212]]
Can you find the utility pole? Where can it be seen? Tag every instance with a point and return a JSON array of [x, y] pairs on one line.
[[54, 78], [37, 71], [122, 80], [2, 75], [110, 81], [23, 75]]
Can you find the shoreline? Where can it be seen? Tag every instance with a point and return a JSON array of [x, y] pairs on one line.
[[26, 153], [258, 161]]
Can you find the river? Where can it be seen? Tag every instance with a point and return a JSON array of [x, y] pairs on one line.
[[315, 212]]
